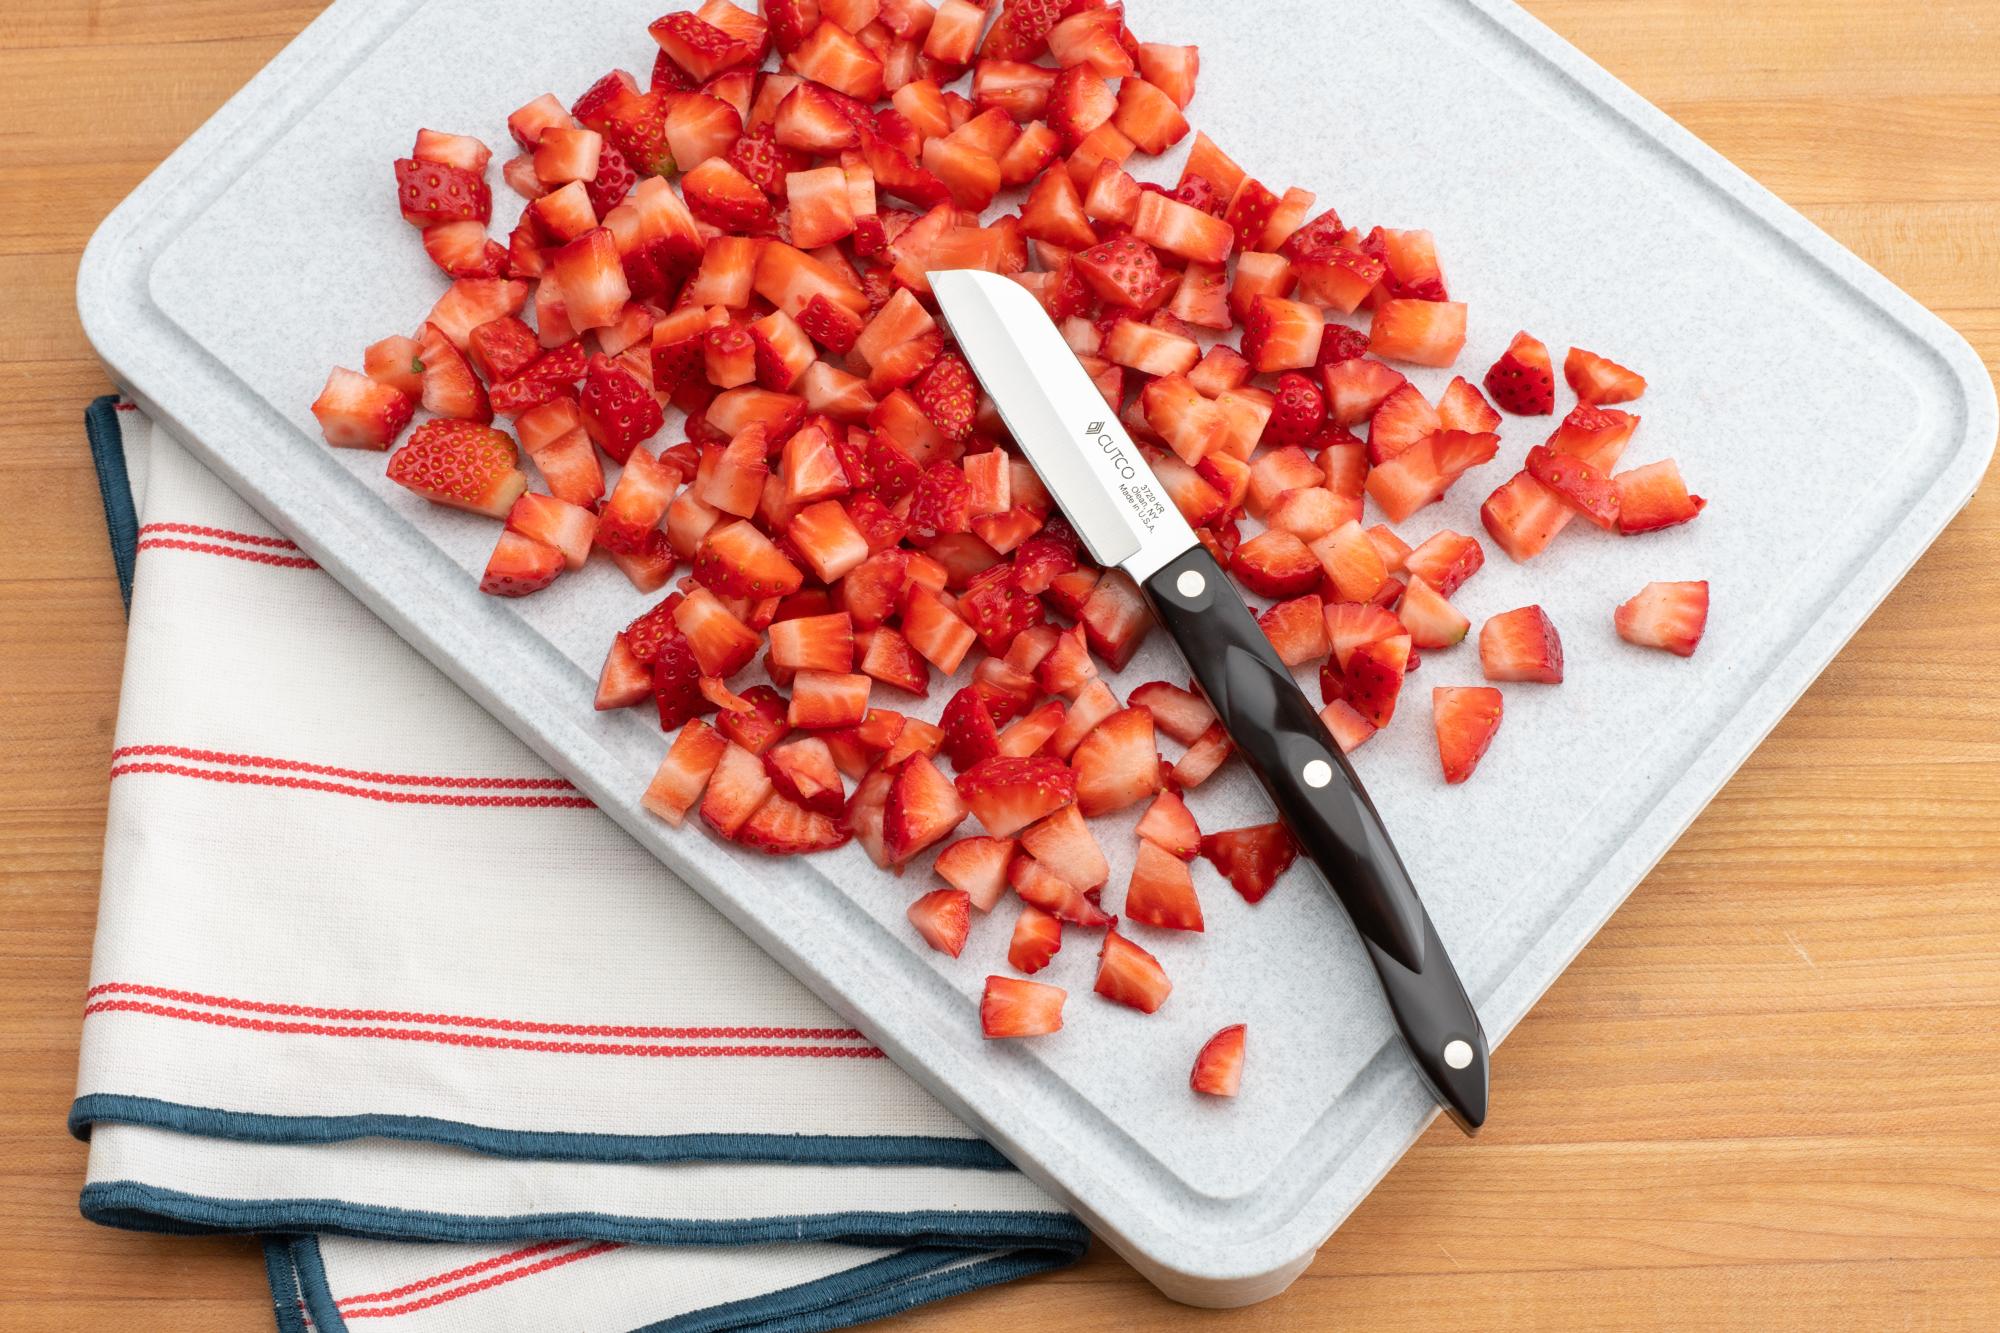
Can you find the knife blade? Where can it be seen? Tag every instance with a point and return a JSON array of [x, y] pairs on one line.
[[1125, 518]]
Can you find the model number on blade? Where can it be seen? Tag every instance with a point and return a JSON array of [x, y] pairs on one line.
[[1111, 449]]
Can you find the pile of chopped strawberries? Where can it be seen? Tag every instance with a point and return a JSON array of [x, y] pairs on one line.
[[749, 248]]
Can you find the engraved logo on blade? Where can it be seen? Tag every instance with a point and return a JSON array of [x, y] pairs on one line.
[[1136, 484]]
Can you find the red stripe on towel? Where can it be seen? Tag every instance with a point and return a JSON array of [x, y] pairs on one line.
[[486, 1284], [331, 771], [206, 548], [390, 797], [222, 534], [455, 1275]]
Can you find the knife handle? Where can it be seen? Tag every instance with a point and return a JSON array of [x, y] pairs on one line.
[[1323, 803]]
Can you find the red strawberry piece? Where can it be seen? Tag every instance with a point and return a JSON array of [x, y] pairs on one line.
[[1403, 418], [1276, 564], [1340, 343], [632, 515], [1207, 754], [803, 771], [1523, 380], [613, 181], [684, 773], [1029, 734], [721, 643], [736, 560], [865, 811], [935, 630], [763, 726], [944, 918], [397, 362], [461, 464], [1251, 859], [1350, 729], [827, 538], [647, 635], [1066, 668], [1124, 272], [520, 565], [1129, 975], [1461, 407], [1671, 616], [1297, 630], [677, 683], [1356, 387], [1035, 883], [969, 734], [619, 411], [1597, 379], [1282, 335], [977, 865], [1445, 561], [1521, 645], [941, 503], [701, 48], [1115, 618], [1597, 435], [1014, 1008], [1198, 191], [463, 250], [1249, 214], [949, 396], [1578, 484], [1117, 764], [1432, 621], [720, 195], [814, 643], [624, 680], [827, 700], [1007, 794], [1373, 677], [1182, 714], [1218, 1067], [779, 827], [1426, 333], [357, 412], [923, 807], [1654, 497], [1466, 718], [1421, 474], [736, 790], [1036, 940], [1040, 560], [1297, 411], [1162, 892], [791, 22], [1351, 624], [833, 326], [433, 192], [450, 387], [890, 659], [502, 348], [1063, 843], [997, 611], [1168, 825], [553, 522]]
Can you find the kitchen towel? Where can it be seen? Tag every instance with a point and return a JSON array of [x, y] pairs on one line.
[[367, 973]]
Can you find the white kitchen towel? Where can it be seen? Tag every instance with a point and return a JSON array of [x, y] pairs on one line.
[[368, 973]]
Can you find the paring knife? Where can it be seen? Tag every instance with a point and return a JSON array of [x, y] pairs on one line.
[[1107, 489]]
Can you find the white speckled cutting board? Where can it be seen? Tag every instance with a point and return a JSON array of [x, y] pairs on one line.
[[267, 249]]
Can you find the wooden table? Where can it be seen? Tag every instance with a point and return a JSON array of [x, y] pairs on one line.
[[1767, 1096]]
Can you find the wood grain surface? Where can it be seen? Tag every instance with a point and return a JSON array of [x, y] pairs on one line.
[[1766, 1097]]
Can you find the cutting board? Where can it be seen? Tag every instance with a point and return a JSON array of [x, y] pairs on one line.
[[1834, 425]]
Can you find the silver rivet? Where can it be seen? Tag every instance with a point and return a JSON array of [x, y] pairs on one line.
[[1190, 583], [1457, 1054], [1318, 773]]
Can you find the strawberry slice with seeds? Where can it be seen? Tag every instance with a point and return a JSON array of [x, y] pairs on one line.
[[1578, 484], [1521, 645], [1251, 859], [977, 865], [1671, 616], [1218, 1066], [1432, 621], [760, 728], [1402, 419], [1373, 675], [1350, 730], [676, 684], [461, 464], [1298, 411], [1523, 380], [1445, 561], [1654, 497], [1297, 630], [358, 412], [619, 411], [923, 807], [450, 387], [944, 918], [1036, 940], [1421, 474], [1466, 719], [433, 192], [970, 738], [1282, 335], [1130, 976], [780, 827], [1007, 795], [1597, 379], [1124, 272], [736, 560], [814, 643], [520, 565], [1276, 563], [1011, 1007], [1162, 892]]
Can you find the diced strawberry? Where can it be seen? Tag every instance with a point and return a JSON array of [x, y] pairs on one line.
[[1014, 1008], [1523, 516], [1162, 891], [1597, 379], [591, 277], [1428, 333], [827, 700], [733, 481], [1466, 719], [1672, 616], [1597, 435], [704, 49], [1189, 423], [1424, 472], [1037, 938], [1218, 1066], [1282, 335], [358, 412], [935, 630], [397, 362], [619, 412], [1149, 350], [1432, 621], [1129, 975], [567, 527], [1007, 794], [461, 464], [1350, 729], [1117, 764], [944, 918], [780, 827], [1207, 754], [1063, 844], [1351, 624], [830, 55], [450, 387], [1579, 485], [1374, 677], [434, 192], [736, 560], [1275, 563], [1251, 859], [685, 772], [1115, 618], [1351, 562], [1521, 645], [1027, 735], [923, 807], [814, 643], [1125, 272], [803, 771], [722, 644], [1182, 714], [637, 504], [1523, 380], [719, 194], [737, 787], [1297, 412], [520, 565], [1654, 497], [624, 680], [978, 865], [865, 814], [1251, 207], [1356, 387], [1445, 561], [1041, 887], [969, 734], [760, 727], [1401, 420], [1297, 630]]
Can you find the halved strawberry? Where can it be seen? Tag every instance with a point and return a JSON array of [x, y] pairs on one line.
[[1218, 1066], [1521, 645], [1131, 976], [1654, 497], [1037, 938], [1162, 891], [1008, 794], [923, 807], [1523, 380], [1182, 714], [804, 771], [1124, 272], [1282, 335], [944, 918], [1672, 616], [357, 412], [1014, 1008], [1597, 379], [619, 411], [685, 771], [461, 464], [1578, 484], [977, 865], [1421, 474], [780, 827], [1297, 630], [1466, 719], [1432, 621], [434, 192], [1275, 563], [1251, 859], [1117, 764]]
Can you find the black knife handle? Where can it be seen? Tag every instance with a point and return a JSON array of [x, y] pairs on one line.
[[1321, 800]]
